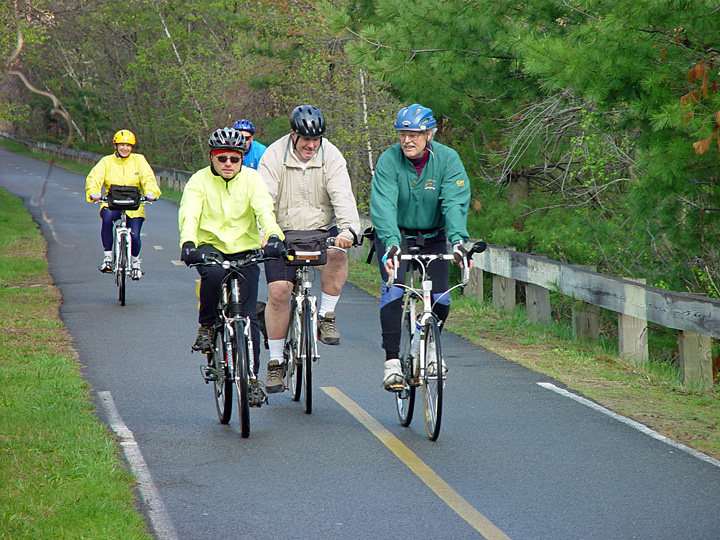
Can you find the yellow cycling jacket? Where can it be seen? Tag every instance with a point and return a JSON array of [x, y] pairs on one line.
[[133, 170], [226, 214]]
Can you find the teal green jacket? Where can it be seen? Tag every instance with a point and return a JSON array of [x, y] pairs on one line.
[[438, 199]]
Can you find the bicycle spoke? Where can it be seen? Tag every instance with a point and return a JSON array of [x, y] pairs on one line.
[[433, 379]]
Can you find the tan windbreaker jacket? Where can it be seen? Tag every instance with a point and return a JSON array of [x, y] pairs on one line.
[[317, 197]]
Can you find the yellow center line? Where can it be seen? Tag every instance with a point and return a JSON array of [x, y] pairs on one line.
[[441, 488]]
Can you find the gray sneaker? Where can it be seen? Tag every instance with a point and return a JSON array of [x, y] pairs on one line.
[[203, 343], [327, 331], [257, 396], [274, 382]]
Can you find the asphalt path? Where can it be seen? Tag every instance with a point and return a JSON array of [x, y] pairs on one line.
[[514, 460]]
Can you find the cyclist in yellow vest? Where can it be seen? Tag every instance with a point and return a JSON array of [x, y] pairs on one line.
[[126, 169]]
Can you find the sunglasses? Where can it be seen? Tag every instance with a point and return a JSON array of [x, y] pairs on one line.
[[233, 159]]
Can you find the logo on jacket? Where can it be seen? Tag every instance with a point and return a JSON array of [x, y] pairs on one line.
[[430, 184]]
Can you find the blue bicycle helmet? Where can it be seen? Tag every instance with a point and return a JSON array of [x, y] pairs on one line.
[[415, 118], [244, 125], [307, 121], [228, 139]]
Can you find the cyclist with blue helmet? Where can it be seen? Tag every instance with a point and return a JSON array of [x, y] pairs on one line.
[[255, 149], [419, 197]]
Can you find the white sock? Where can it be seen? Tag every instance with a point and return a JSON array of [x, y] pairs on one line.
[[135, 259], [108, 253], [276, 347], [327, 303]]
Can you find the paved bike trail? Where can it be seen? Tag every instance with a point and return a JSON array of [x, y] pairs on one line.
[[530, 462]]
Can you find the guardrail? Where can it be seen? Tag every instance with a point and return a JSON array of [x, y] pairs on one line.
[[696, 318], [164, 176]]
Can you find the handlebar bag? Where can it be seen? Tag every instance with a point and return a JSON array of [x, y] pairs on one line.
[[123, 197], [306, 248]]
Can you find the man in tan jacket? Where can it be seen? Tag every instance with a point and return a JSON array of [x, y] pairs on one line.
[[307, 177]]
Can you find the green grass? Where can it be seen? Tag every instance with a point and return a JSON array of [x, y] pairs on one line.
[[652, 394], [62, 476]]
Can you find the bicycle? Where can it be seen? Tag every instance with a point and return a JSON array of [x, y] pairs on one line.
[[122, 240], [421, 358], [231, 360], [301, 349]]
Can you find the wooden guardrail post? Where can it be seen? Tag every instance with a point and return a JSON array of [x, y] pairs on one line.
[[474, 287], [586, 319], [537, 304], [633, 331], [503, 298], [695, 351]]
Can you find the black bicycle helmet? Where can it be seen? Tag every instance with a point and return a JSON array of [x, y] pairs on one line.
[[228, 139], [307, 121]]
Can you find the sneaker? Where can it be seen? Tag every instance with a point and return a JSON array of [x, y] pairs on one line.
[[107, 264], [327, 331], [393, 379], [432, 369], [203, 343], [257, 396], [275, 374], [136, 272]]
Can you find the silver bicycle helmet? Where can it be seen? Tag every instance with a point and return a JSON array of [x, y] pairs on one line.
[[307, 121], [228, 139]]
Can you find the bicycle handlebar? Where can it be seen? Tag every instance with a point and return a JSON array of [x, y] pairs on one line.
[[255, 256], [426, 258]]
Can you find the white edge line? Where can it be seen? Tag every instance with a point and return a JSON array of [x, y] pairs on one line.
[[156, 509], [632, 423]]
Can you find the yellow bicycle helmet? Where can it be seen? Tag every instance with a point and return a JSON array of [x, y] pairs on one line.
[[124, 136]]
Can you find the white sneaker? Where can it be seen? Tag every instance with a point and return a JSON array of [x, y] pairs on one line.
[[107, 264], [135, 270], [392, 380]]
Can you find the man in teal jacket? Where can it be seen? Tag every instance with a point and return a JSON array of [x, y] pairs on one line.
[[420, 196]]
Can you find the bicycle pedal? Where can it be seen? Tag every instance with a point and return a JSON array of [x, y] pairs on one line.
[[208, 374]]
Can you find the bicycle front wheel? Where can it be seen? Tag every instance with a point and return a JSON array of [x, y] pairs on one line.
[[220, 359], [294, 358], [307, 349], [242, 380], [432, 379], [405, 399], [121, 269]]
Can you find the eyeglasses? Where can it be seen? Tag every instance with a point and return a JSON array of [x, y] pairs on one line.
[[233, 159], [412, 135]]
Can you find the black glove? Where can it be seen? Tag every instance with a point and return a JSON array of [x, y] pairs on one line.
[[190, 254], [275, 247], [459, 252]]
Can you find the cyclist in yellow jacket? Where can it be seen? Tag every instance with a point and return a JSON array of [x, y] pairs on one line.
[[126, 169], [220, 210]]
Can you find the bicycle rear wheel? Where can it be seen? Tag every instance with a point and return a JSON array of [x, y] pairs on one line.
[[222, 385], [294, 360], [432, 379], [307, 348], [242, 379], [405, 399], [121, 269]]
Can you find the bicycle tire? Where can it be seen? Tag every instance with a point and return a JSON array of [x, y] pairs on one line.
[[432, 380], [242, 379], [223, 384], [308, 341], [122, 268], [294, 360], [405, 399]]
